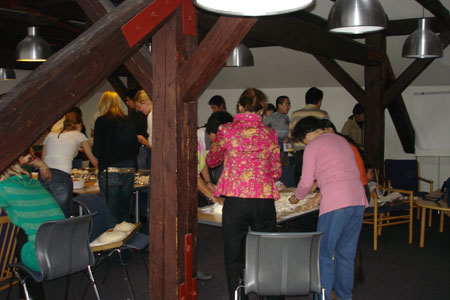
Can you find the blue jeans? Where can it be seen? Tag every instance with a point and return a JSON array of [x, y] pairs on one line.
[[60, 186], [341, 230], [117, 190]]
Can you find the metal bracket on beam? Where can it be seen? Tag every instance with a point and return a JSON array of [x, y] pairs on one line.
[[188, 289], [155, 13]]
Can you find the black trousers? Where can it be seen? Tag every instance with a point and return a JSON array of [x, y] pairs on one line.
[[238, 215], [298, 165]]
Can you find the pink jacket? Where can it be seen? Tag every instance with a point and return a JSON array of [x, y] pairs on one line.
[[251, 156]]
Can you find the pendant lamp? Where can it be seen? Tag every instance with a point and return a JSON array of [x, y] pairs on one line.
[[7, 74], [240, 57], [252, 7], [356, 16], [423, 43], [33, 47]]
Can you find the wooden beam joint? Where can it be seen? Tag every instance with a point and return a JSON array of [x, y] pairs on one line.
[[155, 13]]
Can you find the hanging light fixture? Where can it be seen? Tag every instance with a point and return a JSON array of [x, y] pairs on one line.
[[240, 57], [7, 74], [423, 43], [252, 7], [33, 47], [356, 16]]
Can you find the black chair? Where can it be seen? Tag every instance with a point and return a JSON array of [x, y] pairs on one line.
[[90, 203], [62, 248], [282, 264]]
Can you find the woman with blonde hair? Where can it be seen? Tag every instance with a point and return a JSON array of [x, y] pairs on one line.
[[58, 153], [28, 206], [116, 147]]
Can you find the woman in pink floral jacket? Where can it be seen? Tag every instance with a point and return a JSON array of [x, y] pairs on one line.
[[251, 156]]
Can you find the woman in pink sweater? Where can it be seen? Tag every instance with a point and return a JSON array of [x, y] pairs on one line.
[[330, 160], [251, 156]]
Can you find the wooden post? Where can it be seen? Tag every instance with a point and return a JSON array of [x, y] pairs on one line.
[[173, 205], [373, 106]]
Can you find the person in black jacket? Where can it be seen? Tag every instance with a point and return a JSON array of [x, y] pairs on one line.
[[116, 147]]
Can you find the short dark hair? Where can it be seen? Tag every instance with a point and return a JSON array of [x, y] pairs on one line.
[[358, 109], [325, 123], [131, 93], [216, 119], [271, 107], [313, 96], [305, 126], [218, 101], [280, 100]]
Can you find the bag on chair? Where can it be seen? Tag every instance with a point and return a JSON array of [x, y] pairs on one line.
[[445, 191]]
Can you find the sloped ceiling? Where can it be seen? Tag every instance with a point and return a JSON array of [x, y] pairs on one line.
[[277, 67], [61, 21]]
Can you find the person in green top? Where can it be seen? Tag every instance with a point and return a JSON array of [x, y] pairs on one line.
[[28, 205]]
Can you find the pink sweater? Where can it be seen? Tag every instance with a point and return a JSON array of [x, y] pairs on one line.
[[251, 156], [330, 160]]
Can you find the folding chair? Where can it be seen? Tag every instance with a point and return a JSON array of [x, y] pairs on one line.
[[94, 203], [62, 248], [282, 264]]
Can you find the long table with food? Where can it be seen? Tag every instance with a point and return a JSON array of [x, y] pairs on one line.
[[85, 182], [212, 214]]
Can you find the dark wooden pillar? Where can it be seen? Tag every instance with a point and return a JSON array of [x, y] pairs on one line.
[[373, 106], [173, 202]]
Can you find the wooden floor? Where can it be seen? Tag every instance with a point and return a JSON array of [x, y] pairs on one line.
[[396, 271]]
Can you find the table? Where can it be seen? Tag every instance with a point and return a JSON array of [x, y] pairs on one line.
[[441, 206], [92, 188], [216, 219]]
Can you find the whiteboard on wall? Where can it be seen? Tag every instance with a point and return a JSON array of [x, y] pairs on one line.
[[431, 118]]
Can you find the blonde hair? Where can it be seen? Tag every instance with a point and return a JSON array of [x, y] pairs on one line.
[[110, 104], [141, 97], [13, 170]]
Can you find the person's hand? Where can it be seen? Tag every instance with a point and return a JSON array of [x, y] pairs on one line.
[[218, 200], [314, 201], [141, 139], [211, 186], [45, 172], [293, 200]]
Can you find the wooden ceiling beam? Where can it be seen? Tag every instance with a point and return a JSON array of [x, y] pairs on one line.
[[66, 78], [300, 35], [435, 7], [295, 33], [411, 73], [211, 54], [140, 64], [407, 26], [343, 78], [399, 114]]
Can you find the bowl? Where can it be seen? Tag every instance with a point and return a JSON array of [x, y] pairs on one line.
[[78, 183]]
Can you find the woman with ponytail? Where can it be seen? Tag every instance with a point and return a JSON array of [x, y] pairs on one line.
[[58, 152]]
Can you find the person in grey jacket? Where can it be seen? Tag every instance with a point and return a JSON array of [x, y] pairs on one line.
[[279, 120]]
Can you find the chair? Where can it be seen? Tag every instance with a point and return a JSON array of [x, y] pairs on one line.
[[382, 216], [404, 174], [8, 234], [282, 264], [62, 248], [90, 203]]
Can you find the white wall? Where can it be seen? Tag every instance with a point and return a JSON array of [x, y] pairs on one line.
[[337, 102]]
